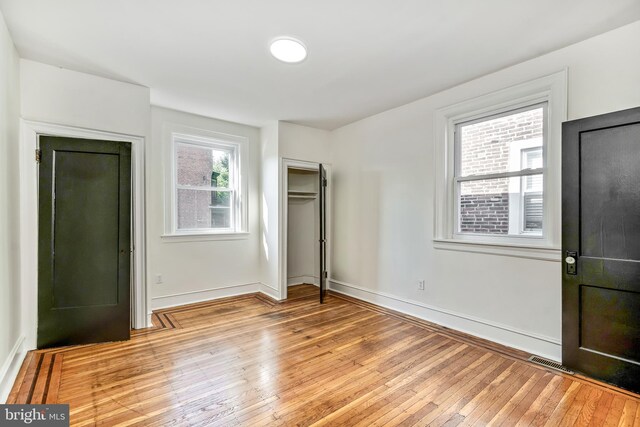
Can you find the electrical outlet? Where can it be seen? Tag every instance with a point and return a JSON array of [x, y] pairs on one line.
[[159, 279], [421, 285]]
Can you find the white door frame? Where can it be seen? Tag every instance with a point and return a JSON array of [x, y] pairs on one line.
[[284, 229], [30, 132]]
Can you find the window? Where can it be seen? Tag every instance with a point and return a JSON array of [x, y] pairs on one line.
[[205, 186], [497, 167], [207, 194], [499, 173]]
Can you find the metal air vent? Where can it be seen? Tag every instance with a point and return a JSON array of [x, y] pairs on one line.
[[550, 364]]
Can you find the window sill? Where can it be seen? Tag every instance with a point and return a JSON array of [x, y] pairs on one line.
[[202, 237], [543, 253]]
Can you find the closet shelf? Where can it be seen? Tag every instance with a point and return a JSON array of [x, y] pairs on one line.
[[308, 195]]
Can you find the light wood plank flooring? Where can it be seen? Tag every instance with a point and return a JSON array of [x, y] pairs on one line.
[[251, 361]]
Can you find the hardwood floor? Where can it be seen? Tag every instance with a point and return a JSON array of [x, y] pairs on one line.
[[251, 361]]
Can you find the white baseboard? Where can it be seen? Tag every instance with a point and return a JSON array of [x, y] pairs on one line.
[[10, 368], [530, 342], [269, 291], [166, 301], [309, 279]]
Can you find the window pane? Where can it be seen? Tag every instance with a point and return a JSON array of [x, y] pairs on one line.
[[495, 145], [198, 209], [502, 206], [220, 218], [201, 166]]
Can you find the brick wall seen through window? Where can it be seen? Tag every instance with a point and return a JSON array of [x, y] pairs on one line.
[[495, 146]]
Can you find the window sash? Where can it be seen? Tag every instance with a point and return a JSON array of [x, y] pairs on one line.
[[459, 179], [520, 173], [196, 188], [457, 142], [523, 193], [213, 146], [234, 202]]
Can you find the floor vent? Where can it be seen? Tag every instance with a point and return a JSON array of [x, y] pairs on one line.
[[549, 364]]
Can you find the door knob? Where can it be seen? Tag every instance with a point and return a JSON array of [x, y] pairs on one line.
[[570, 260]]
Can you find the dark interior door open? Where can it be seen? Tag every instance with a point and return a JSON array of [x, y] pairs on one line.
[[322, 193], [601, 247], [84, 239]]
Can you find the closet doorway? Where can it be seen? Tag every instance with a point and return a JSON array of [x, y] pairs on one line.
[[305, 229]]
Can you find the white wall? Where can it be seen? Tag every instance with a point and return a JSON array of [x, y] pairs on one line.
[[56, 95], [198, 270], [383, 173], [270, 209], [303, 143], [10, 334], [312, 145], [302, 242]]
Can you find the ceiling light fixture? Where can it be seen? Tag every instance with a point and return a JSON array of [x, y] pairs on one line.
[[289, 50]]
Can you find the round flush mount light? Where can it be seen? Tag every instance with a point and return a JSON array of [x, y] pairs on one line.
[[288, 49]]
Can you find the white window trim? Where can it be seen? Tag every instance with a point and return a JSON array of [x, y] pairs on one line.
[[173, 134], [551, 89]]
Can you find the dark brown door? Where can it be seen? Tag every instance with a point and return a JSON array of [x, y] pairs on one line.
[[322, 191], [601, 247], [84, 241]]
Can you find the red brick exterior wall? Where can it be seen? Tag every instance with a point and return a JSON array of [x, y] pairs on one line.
[[193, 167]]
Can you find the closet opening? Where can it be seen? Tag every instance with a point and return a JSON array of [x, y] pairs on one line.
[[305, 225]]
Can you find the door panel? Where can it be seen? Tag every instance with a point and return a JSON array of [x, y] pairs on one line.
[[610, 321], [84, 241], [93, 179], [608, 195], [322, 191], [601, 231]]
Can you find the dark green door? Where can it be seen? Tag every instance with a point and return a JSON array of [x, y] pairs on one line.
[[84, 240], [601, 245]]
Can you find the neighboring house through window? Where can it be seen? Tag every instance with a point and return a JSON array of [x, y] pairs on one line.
[[532, 192]]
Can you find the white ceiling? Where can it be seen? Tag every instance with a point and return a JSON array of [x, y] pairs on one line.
[[211, 57]]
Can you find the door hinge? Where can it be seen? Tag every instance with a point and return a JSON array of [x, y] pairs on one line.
[[324, 182], [38, 155]]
